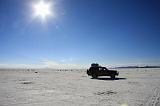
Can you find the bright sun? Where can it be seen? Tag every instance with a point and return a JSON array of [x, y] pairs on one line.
[[42, 9]]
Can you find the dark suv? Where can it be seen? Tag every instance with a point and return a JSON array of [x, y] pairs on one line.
[[95, 70]]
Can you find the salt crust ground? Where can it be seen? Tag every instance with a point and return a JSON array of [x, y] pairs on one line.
[[133, 87]]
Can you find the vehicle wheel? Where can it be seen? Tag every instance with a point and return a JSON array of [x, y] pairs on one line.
[[113, 76], [94, 76]]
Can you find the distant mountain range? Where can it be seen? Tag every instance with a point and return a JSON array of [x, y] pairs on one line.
[[139, 67]]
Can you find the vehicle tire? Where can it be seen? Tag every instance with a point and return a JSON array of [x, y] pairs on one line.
[[113, 76], [94, 76]]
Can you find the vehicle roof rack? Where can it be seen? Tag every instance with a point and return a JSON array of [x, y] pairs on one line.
[[94, 65]]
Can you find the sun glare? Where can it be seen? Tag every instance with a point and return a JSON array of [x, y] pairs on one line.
[[42, 9]]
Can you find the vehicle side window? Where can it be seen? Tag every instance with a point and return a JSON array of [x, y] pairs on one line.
[[100, 69]]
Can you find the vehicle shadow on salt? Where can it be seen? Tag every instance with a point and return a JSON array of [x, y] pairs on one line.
[[108, 79]]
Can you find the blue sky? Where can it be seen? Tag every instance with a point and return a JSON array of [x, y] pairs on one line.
[[110, 32]]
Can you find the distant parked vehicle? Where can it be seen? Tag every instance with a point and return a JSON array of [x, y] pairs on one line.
[[95, 70]]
